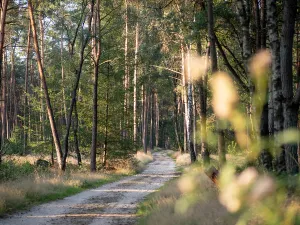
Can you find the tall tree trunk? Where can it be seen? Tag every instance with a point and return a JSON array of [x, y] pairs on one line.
[[290, 108], [189, 115], [151, 120], [142, 115], [176, 125], [145, 120], [194, 121], [270, 109], [26, 122], [257, 24], [63, 77], [74, 92], [184, 99], [12, 92], [42, 50], [276, 80], [4, 99], [267, 118], [126, 76], [265, 156], [243, 8], [96, 41], [95, 119], [203, 108], [263, 26], [298, 67], [76, 140], [156, 119], [214, 68], [267, 129], [2, 40], [45, 88], [135, 83], [106, 118]]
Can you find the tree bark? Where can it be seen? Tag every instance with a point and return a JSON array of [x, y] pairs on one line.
[[202, 86], [267, 120], [151, 121], [156, 119], [96, 41], [26, 122], [276, 81], [76, 139], [176, 125], [189, 112], [265, 155], [214, 68], [290, 108], [145, 120], [184, 99], [4, 100], [63, 78], [74, 92], [263, 26], [257, 24], [42, 50], [194, 122], [106, 118], [14, 97], [126, 76], [243, 9], [2, 40], [45, 88], [135, 83]]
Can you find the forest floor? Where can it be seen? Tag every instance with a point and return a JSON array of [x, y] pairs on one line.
[[113, 203]]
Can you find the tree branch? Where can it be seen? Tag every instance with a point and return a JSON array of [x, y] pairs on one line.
[[231, 69]]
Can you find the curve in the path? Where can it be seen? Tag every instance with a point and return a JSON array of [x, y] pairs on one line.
[[113, 203]]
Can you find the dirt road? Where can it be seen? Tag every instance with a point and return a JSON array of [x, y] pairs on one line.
[[113, 203]]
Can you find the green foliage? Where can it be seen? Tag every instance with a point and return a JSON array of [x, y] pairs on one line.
[[11, 171], [232, 148], [14, 145]]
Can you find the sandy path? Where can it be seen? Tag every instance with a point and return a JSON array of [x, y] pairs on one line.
[[113, 203]]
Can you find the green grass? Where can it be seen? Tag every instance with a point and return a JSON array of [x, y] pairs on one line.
[[237, 160], [149, 205]]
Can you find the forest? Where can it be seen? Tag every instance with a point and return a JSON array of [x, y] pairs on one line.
[[91, 91]]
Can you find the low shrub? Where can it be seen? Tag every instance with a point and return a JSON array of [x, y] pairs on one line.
[[11, 171]]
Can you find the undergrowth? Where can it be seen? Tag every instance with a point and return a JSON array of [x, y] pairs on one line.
[[44, 187], [23, 184], [238, 197], [173, 204]]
